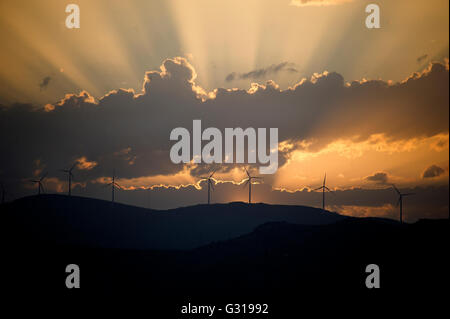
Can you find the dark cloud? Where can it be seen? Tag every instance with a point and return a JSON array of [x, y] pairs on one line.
[[263, 72], [422, 58], [44, 83], [380, 178], [231, 77], [433, 171], [129, 131]]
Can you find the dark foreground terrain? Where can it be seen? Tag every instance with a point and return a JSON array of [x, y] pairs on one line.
[[319, 264]]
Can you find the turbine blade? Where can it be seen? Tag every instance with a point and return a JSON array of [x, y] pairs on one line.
[[324, 179], [44, 176], [212, 174], [212, 184], [318, 188], [398, 192], [73, 166]]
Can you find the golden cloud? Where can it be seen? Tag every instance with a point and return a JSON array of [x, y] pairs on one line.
[[84, 164]]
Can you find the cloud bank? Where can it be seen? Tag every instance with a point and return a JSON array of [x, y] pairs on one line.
[[128, 131], [323, 108]]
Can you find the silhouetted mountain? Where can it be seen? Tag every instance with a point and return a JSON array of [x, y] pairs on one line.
[[289, 266], [92, 222]]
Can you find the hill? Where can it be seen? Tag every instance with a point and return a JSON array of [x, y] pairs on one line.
[[97, 223], [289, 266]]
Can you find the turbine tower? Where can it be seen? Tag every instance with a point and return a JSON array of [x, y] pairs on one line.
[[39, 183], [113, 185], [210, 185], [249, 183], [400, 201], [324, 189], [69, 173]]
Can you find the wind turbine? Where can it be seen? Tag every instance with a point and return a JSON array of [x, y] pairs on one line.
[[113, 185], [69, 173], [249, 183], [210, 185], [400, 201], [324, 189], [39, 182]]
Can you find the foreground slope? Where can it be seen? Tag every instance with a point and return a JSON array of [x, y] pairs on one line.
[[97, 223], [288, 266]]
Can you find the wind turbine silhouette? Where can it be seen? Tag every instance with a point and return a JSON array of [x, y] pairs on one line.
[[210, 185], [400, 201], [69, 173], [324, 189], [39, 182], [113, 185], [249, 183]]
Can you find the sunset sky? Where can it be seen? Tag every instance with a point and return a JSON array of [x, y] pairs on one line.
[[370, 107]]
